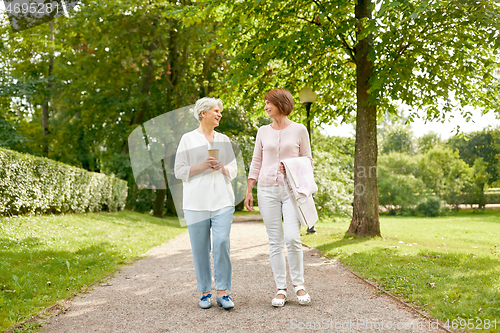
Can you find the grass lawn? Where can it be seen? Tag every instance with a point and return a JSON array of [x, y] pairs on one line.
[[246, 212], [447, 266], [44, 259]]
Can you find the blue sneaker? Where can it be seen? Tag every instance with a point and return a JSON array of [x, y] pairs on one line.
[[205, 301], [225, 302]]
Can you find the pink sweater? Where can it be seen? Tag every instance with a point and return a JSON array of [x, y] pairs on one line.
[[272, 146]]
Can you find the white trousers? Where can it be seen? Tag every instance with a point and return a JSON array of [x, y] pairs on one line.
[[274, 203]]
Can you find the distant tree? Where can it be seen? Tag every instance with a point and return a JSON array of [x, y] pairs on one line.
[[398, 139], [399, 188], [480, 180], [428, 141], [483, 144], [333, 170], [27, 77], [445, 175], [335, 184], [340, 147], [10, 137], [480, 150]]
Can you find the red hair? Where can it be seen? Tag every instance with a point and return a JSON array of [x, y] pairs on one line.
[[283, 100]]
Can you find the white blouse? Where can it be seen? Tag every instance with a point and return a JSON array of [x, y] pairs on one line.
[[209, 190]]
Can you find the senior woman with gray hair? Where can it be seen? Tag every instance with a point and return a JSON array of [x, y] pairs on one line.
[[208, 199]]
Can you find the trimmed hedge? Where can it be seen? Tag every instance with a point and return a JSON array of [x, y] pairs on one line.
[[37, 185]]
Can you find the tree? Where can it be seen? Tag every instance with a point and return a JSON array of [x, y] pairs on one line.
[[335, 185], [398, 139], [162, 64], [480, 150], [333, 170], [398, 184], [480, 180], [445, 175], [369, 54], [428, 141], [483, 144], [27, 62], [116, 65]]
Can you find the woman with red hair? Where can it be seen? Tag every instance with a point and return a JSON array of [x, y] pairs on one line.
[[280, 140]]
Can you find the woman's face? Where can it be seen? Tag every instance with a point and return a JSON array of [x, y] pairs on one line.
[[272, 110], [212, 117]]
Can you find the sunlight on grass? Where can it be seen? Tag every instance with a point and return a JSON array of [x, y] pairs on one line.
[[44, 259], [447, 266]]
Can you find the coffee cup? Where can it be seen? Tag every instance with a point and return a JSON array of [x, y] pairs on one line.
[[214, 152]]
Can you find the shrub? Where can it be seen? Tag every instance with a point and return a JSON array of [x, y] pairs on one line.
[[335, 186], [30, 184], [445, 175], [431, 206], [398, 188]]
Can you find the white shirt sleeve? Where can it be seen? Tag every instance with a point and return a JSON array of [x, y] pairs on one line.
[[232, 166], [182, 167]]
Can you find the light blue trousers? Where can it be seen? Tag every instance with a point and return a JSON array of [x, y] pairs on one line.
[[199, 224]]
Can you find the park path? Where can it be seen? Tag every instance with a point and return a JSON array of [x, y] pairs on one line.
[[158, 294]]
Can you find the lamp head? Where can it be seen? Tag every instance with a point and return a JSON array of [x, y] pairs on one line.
[[307, 95]]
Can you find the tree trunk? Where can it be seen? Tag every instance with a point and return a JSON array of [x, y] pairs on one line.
[[482, 197], [45, 105], [170, 204], [365, 219], [159, 203]]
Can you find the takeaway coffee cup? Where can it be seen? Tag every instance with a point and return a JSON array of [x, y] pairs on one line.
[[214, 152]]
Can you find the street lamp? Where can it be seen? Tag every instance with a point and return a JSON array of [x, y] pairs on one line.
[[307, 96]]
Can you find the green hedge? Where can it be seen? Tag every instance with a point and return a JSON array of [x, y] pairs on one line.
[[36, 185]]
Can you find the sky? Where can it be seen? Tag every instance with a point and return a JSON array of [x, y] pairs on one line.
[[420, 127]]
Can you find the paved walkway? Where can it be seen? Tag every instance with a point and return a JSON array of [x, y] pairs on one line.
[[158, 294]]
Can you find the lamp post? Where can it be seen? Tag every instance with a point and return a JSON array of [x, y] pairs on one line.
[[307, 96]]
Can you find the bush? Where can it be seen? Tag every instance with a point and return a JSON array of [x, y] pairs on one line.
[[36, 185], [445, 210], [335, 186], [398, 188], [446, 175], [431, 206]]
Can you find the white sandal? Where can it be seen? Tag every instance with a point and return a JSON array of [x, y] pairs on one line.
[[303, 300], [279, 302]]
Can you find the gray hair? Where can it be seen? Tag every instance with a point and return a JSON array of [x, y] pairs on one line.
[[205, 104]]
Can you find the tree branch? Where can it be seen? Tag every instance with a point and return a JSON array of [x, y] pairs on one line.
[[313, 22], [402, 49], [349, 49]]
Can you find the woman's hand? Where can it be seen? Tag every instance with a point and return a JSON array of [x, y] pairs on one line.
[[199, 168], [208, 163], [249, 197], [217, 165], [249, 202], [282, 169]]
